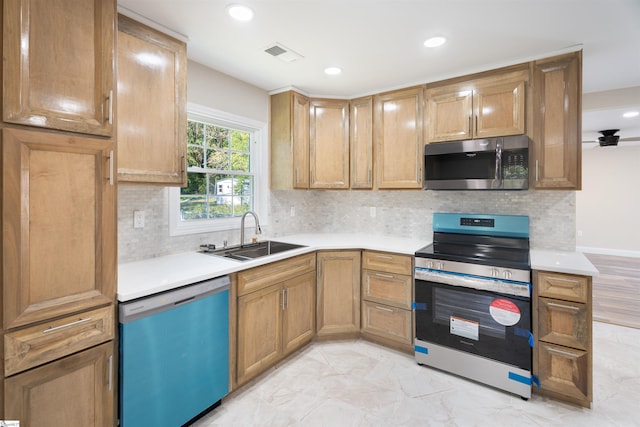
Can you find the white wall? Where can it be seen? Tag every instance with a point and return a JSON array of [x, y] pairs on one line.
[[608, 207]]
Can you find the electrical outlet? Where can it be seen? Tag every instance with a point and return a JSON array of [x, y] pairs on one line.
[[372, 211], [293, 211], [138, 219]]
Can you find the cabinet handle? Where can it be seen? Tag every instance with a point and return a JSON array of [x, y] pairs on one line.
[[386, 276], [110, 109], [566, 307], [384, 256], [110, 373], [537, 169], [282, 299], [384, 309], [67, 325], [184, 164], [111, 167], [564, 353], [286, 298], [475, 127]]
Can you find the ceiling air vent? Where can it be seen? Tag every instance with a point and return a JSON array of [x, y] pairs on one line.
[[283, 53]]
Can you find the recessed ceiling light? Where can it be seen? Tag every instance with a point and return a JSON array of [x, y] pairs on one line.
[[435, 41], [631, 114], [332, 71], [240, 12]]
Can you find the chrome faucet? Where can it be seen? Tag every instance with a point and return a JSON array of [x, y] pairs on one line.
[[258, 230]]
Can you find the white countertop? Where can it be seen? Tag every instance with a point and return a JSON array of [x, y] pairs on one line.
[[142, 278], [562, 262]]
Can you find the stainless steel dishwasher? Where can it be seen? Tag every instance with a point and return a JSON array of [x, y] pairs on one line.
[[174, 354]]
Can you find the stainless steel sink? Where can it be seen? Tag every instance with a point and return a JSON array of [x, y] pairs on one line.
[[251, 251]]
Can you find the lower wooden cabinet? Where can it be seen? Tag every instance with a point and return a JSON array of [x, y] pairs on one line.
[[387, 322], [73, 391], [387, 293], [338, 308], [276, 318], [562, 327]]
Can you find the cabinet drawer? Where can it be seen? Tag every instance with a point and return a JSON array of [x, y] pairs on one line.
[[48, 341], [564, 323], [565, 371], [387, 262], [275, 272], [563, 286], [387, 288], [386, 321]]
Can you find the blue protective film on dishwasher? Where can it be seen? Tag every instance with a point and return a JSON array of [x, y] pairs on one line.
[[419, 306], [520, 378]]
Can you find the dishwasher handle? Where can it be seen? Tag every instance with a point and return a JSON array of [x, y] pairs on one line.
[[157, 303]]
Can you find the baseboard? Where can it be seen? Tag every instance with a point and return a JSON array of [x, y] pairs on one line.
[[606, 251]]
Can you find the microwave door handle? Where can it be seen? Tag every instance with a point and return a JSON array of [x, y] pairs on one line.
[[499, 161]]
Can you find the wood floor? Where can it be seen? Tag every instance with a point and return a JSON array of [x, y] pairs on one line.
[[616, 291]]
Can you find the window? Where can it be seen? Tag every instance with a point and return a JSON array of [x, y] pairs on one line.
[[224, 156]]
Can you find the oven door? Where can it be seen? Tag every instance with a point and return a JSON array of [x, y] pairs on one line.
[[485, 323]]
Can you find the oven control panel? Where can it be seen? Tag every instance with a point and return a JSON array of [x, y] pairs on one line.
[[475, 269]]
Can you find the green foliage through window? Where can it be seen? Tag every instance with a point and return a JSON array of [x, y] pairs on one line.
[[220, 180]]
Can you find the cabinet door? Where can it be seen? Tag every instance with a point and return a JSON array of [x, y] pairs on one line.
[[329, 144], [300, 140], [498, 108], [449, 111], [387, 322], [565, 373], [74, 391], [398, 136], [299, 316], [58, 213], [259, 331], [387, 288], [338, 307], [58, 64], [361, 141], [564, 323], [152, 115], [557, 126]]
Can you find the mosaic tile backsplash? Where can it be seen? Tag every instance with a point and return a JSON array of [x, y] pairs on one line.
[[399, 213]]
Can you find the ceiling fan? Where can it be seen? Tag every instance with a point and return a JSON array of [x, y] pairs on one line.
[[609, 138]]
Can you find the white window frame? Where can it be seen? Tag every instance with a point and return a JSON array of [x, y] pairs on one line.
[[259, 157]]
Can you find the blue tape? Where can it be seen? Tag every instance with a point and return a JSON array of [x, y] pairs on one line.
[[420, 349], [531, 340], [419, 306], [536, 381], [520, 378], [521, 332]]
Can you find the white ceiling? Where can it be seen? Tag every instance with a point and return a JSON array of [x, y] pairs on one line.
[[379, 43]]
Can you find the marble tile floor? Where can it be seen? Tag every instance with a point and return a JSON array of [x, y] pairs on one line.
[[358, 383]]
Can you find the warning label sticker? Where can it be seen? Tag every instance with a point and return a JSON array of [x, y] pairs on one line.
[[504, 312], [464, 328]]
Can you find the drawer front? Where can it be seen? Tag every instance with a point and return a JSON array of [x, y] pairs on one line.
[[564, 323], [564, 370], [275, 272], [567, 287], [386, 321], [387, 288], [48, 341], [387, 262]]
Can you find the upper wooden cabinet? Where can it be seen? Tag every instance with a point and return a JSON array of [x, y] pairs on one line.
[[361, 142], [58, 217], [398, 138], [556, 157], [151, 110], [481, 108], [329, 143], [289, 141], [58, 68]]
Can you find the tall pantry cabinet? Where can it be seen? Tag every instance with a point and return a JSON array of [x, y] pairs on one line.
[[58, 271]]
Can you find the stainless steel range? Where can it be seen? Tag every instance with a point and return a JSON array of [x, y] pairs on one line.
[[473, 300]]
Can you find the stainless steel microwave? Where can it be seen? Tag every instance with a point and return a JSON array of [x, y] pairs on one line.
[[478, 164]]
